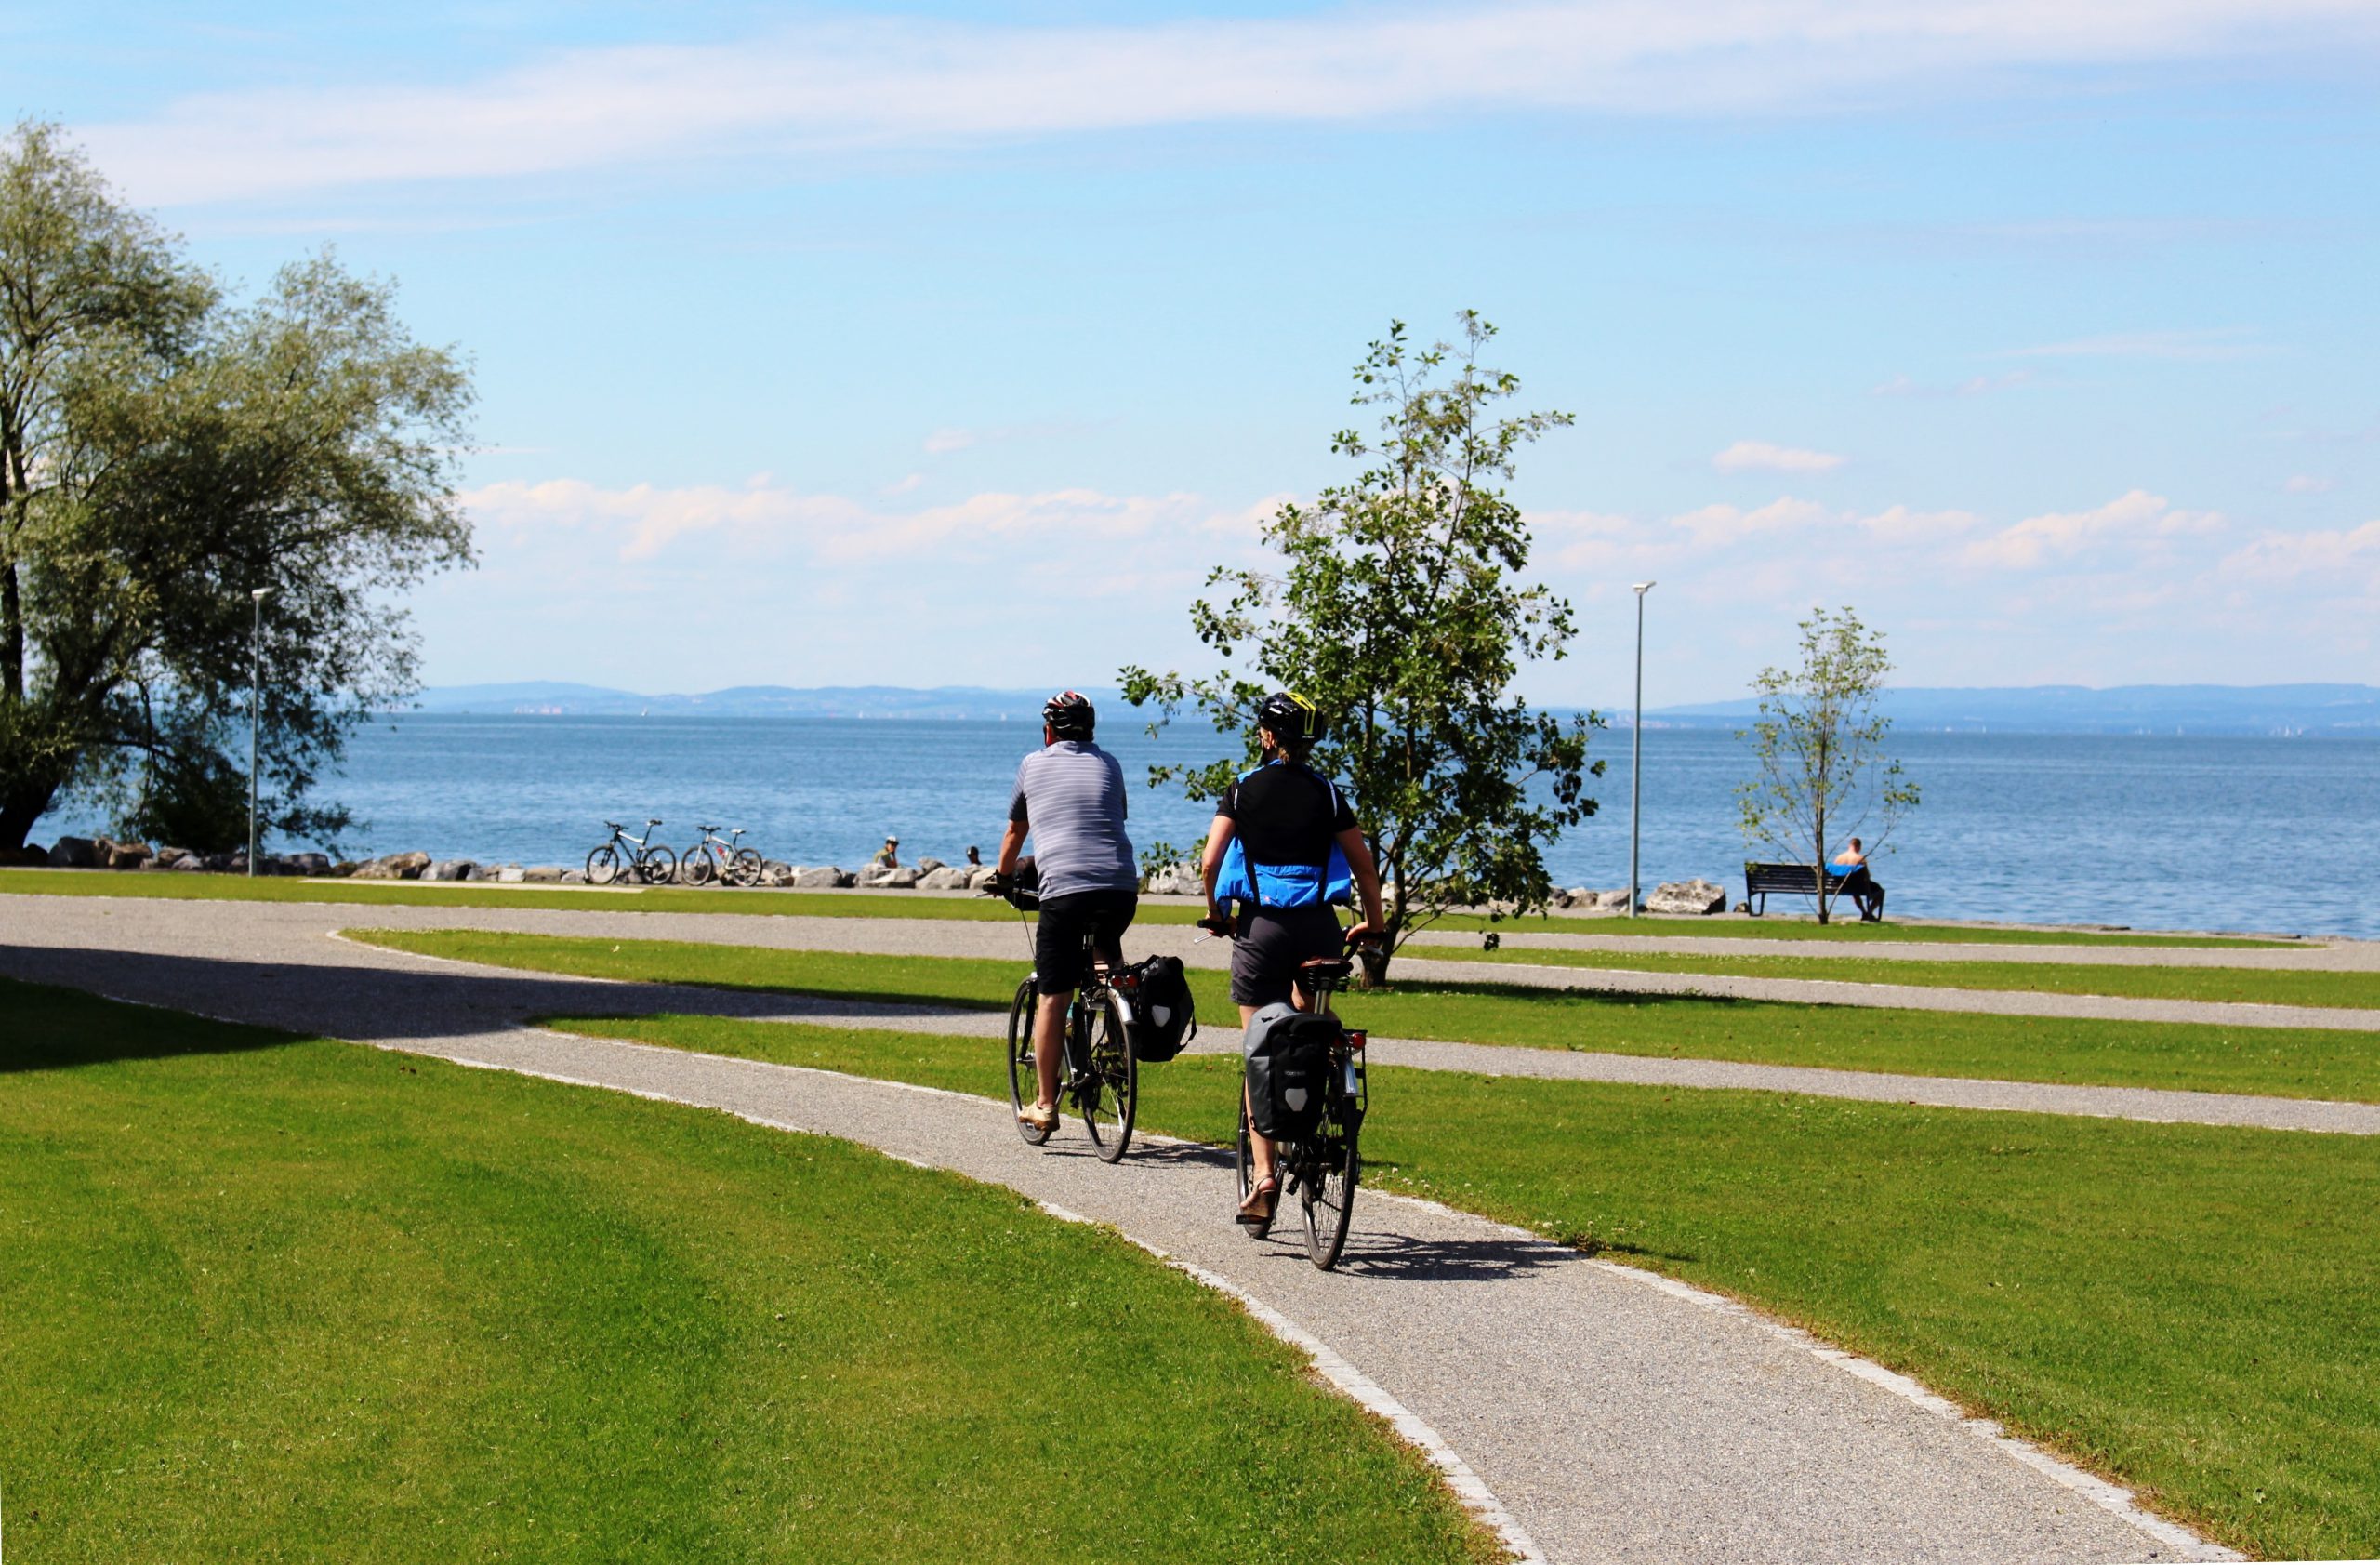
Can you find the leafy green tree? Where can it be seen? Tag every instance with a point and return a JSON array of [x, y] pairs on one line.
[[163, 452], [1398, 609], [1819, 744]]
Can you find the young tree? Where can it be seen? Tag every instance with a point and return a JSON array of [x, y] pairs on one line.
[[162, 453], [1398, 611], [1820, 745]]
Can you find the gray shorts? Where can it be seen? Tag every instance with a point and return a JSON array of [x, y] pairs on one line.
[[1270, 946]]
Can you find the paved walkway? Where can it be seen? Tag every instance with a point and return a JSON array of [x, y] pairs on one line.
[[1614, 1414], [78, 925]]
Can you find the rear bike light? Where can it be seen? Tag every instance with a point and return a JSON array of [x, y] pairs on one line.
[[1357, 1037]]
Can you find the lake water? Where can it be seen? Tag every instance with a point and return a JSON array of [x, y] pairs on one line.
[[2189, 832]]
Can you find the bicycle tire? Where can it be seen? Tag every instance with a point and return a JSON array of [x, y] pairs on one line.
[[745, 869], [1248, 1175], [1023, 1083], [1110, 1093], [656, 865], [695, 868], [1327, 1192], [603, 865]]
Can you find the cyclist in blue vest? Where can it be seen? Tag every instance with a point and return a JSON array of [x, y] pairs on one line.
[[1285, 847]]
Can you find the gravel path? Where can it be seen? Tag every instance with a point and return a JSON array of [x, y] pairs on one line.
[[1615, 1414], [74, 927]]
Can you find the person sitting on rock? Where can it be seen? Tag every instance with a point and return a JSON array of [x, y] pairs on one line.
[[1858, 884], [887, 857], [974, 857]]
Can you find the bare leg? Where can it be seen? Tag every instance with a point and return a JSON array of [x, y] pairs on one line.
[[1048, 1025], [1260, 1147]]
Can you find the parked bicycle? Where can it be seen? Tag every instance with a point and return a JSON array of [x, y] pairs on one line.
[[640, 858], [1321, 1167], [1099, 1075], [716, 856]]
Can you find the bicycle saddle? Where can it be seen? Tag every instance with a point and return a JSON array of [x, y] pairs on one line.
[[1326, 967], [706, 829], [650, 821]]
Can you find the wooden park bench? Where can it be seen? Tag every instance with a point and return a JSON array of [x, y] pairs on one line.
[[1786, 880]]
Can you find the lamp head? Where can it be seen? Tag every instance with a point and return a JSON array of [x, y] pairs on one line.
[[1643, 587], [258, 594]]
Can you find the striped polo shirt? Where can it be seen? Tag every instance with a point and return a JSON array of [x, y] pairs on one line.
[[1070, 795]]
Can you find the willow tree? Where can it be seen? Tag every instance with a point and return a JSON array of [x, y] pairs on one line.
[[1399, 606], [1823, 771], [166, 450]]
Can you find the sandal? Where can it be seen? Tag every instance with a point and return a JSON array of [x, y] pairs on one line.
[[1042, 1117], [1268, 1190]]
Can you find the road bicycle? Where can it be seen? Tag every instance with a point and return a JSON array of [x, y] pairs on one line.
[[1098, 1075], [1322, 1167], [640, 858], [720, 855]]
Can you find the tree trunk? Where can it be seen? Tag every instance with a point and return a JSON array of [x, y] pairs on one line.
[[1374, 962], [1819, 869], [12, 635], [19, 808]]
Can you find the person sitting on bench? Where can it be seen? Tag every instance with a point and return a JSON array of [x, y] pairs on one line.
[[1860, 886]]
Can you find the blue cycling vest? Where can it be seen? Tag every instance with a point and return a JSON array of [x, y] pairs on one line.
[[1284, 885]]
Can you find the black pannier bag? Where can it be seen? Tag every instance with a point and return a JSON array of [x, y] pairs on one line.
[[1288, 1071], [1157, 999]]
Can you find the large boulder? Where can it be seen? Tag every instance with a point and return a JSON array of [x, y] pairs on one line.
[[129, 855], [901, 879], [943, 877], [573, 877], [1696, 895], [824, 876], [394, 867], [928, 865], [73, 852], [1185, 879], [26, 857], [449, 869], [543, 874], [512, 875], [311, 864], [980, 875]]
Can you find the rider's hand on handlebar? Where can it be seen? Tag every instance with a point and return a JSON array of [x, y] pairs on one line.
[[1216, 922], [1365, 935], [998, 885]]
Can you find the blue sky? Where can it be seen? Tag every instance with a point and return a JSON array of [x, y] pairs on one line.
[[819, 345]]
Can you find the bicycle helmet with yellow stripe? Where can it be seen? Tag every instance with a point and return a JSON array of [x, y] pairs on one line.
[[1294, 722]]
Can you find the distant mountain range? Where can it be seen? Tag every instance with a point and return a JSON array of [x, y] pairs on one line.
[[2313, 710]]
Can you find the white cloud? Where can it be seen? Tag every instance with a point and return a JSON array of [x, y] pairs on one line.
[[1759, 455], [942, 442], [865, 83], [2226, 343], [2136, 518], [2305, 484], [2336, 558], [643, 522]]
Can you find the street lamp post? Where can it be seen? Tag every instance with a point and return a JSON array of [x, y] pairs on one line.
[[1636, 749], [257, 596]]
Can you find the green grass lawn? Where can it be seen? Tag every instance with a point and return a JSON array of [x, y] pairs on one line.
[[2254, 985], [273, 1299], [894, 904], [2183, 1308], [2286, 1062]]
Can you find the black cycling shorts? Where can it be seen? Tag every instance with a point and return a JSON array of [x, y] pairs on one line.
[[1058, 965], [1271, 944]]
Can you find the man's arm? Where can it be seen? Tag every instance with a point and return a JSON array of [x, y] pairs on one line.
[[1218, 837], [1367, 872], [1011, 843]]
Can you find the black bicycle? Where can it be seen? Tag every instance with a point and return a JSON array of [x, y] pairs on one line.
[[1322, 1166], [720, 855], [1099, 1075], [641, 856]]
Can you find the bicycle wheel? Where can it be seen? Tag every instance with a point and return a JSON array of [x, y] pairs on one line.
[[656, 865], [1248, 1175], [1326, 1184], [1024, 1084], [603, 865], [1110, 1091], [745, 869], [694, 867]]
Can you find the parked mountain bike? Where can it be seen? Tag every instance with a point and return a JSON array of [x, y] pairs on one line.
[[1099, 1074], [716, 856], [1322, 1167], [638, 857]]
